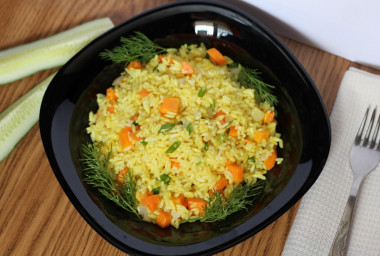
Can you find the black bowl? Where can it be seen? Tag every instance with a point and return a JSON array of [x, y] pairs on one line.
[[302, 121]]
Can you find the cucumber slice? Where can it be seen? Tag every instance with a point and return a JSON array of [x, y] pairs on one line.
[[27, 59], [19, 118]]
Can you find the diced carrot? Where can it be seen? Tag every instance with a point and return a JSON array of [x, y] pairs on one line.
[[247, 141], [111, 109], [268, 117], [228, 162], [170, 105], [121, 176], [134, 64], [143, 93], [237, 173], [216, 57], [219, 113], [111, 94], [124, 138], [160, 57], [271, 160], [261, 135], [134, 136], [152, 202], [233, 131], [163, 219], [175, 164], [220, 185], [181, 199], [187, 69], [141, 196], [197, 203]]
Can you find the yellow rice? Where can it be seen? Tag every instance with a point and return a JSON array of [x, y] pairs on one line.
[[199, 169]]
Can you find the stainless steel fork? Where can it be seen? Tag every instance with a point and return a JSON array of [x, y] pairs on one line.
[[364, 157]]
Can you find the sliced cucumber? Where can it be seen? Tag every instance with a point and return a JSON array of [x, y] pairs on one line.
[[24, 60], [19, 118]]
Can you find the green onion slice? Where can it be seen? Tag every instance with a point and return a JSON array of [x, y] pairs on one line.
[[189, 128], [173, 147], [166, 127], [206, 146], [202, 91], [156, 191]]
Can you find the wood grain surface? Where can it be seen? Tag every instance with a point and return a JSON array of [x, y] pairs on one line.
[[36, 217]]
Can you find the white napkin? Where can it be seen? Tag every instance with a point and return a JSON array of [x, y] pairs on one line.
[[322, 207]]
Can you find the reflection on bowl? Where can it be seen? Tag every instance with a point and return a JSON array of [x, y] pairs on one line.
[[302, 121]]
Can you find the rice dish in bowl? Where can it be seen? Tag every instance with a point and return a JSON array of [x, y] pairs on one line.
[[182, 139]]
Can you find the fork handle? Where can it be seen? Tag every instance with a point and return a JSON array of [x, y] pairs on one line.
[[340, 244]]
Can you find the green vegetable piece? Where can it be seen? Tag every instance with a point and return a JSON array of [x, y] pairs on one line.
[[233, 65], [222, 138], [156, 191], [213, 105], [165, 178], [205, 146], [173, 147], [189, 128], [144, 142], [251, 159], [202, 91], [166, 127], [135, 124]]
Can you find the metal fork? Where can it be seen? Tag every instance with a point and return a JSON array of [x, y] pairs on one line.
[[364, 157]]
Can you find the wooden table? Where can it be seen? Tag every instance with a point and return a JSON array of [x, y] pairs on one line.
[[36, 217]]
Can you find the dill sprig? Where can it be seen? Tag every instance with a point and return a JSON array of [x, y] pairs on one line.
[[135, 47], [241, 197], [250, 78], [97, 175]]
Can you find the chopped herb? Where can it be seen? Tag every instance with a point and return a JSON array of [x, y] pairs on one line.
[[233, 65], [135, 47], [207, 56], [251, 159], [156, 191], [228, 130], [202, 91], [222, 138], [199, 163], [135, 124], [206, 146], [213, 105], [180, 122], [189, 128], [144, 142], [173, 147], [250, 78], [155, 68], [165, 178], [166, 127]]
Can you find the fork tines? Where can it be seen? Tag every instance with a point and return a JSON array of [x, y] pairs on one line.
[[366, 141]]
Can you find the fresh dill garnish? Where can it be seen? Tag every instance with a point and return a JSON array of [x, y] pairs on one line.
[[241, 197], [250, 78], [135, 47], [98, 176]]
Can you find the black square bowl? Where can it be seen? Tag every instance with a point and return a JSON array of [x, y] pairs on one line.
[[302, 121]]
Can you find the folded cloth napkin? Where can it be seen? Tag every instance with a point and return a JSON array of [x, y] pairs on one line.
[[322, 206]]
